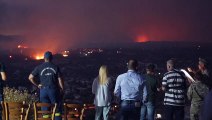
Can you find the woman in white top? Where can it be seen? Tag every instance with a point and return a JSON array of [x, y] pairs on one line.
[[102, 89]]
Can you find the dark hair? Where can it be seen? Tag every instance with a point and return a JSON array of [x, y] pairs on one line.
[[198, 76], [203, 61], [48, 55], [132, 64], [151, 67]]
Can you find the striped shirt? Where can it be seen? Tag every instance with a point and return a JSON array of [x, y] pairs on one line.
[[175, 84]]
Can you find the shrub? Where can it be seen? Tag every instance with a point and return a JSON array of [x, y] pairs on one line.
[[15, 95]]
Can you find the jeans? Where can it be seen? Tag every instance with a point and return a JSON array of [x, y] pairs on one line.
[[102, 110], [51, 95], [172, 112], [1, 99], [129, 111], [147, 111]]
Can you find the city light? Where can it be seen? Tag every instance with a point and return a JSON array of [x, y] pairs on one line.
[[22, 46], [65, 53]]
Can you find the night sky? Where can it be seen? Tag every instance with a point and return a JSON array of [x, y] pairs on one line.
[[56, 24]]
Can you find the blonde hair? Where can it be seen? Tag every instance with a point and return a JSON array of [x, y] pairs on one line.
[[103, 74]]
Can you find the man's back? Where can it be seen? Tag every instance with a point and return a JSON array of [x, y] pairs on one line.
[[196, 92], [128, 86], [152, 84], [175, 86], [48, 74]]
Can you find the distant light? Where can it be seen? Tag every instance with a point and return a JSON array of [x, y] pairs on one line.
[[19, 46], [10, 56], [159, 73], [118, 52], [65, 55], [26, 59], [158, 116]]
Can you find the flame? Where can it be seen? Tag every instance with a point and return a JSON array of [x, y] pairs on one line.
[[38, 56]]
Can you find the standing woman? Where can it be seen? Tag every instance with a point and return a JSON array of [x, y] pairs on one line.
[[2, 79], [101, 87]]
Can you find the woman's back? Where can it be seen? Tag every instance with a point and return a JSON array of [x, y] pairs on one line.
[[102, 92]]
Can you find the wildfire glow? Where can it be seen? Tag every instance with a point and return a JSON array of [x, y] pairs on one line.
[[142, 38], [39, 57]]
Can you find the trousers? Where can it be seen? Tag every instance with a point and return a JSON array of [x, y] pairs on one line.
[[52, 95]]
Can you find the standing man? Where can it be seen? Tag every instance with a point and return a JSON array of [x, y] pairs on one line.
[[203, 67], [51, 83], [174, 85], [131, 90], [2, 79], [152, 85]]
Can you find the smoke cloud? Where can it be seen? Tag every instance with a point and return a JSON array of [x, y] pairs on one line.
[[58, 25]]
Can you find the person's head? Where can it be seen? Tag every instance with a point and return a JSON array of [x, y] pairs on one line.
[[132, 64], [48, 56], [198, 76], [103, 74], [150, 68], [202, 64], [170, 64]]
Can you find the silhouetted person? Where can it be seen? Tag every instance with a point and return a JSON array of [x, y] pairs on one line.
[[174, 85], [102, 88], [51, 83], [2, 79], [131, 90], [207, 112], [152, 85], [196, 93]]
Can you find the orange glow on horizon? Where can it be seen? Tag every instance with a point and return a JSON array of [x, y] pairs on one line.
[[38, 56], [142, 38]]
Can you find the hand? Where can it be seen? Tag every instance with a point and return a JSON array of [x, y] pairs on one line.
[[39, 86], [189, 69]]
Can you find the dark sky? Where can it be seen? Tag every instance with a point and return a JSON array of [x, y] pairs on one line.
[[72, 23]]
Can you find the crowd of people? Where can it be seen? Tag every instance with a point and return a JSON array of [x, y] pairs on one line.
[[136, 93]]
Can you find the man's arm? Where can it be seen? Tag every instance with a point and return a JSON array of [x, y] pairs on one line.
[[189, 92], [3, 76], [164, 83], [61, 83], [144, 89], [31, 79], [117, 90]]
